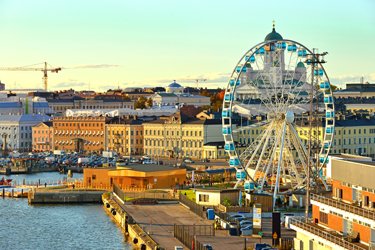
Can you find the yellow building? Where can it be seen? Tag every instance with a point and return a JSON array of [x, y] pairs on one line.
[[350, 136], [178, 135], [124, 136], [215, 150]]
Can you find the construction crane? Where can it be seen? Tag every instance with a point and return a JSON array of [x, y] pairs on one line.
[[44, 70]]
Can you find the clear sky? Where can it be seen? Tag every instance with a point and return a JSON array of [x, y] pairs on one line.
[[152, 42]]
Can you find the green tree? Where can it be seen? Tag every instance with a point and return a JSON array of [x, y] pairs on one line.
[[333, 87], [140, 103], [149, 103]]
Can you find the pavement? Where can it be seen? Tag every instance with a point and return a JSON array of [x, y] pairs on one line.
[[159, 221]]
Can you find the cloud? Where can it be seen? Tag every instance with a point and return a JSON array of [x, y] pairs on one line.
[[70, 84], [212, 78], [341, 80], [93, 66]]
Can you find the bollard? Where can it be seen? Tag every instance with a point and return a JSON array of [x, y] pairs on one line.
[[3, 193], [12, 192]]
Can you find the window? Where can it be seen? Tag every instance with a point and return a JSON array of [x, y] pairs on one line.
[[204, 197], [366, 201], [323, 217]]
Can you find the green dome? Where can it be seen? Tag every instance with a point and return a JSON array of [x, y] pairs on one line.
[[300, 65], [273, 36]]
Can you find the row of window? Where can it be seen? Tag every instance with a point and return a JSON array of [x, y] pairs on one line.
[[116, 132], [158, 143], [159, 152], [65, 107], [122, 142], [173, 133], [79, 124], [42, 131]]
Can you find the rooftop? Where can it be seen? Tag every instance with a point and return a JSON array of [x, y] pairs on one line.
[[273, 35], [149, 167], [217, 190], [24, 118]]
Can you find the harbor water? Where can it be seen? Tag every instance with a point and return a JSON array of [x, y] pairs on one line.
[[56, 226]]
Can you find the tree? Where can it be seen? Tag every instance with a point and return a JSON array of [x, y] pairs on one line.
[[140, 103], [333, 87], [149, 103]]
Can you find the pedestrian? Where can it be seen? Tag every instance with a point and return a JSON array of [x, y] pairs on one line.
[[73, 186], [45, 184]]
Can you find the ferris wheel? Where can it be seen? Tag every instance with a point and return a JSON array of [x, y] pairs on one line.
[[283, 86]]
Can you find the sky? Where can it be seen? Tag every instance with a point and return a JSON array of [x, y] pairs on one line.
[[123, 43]]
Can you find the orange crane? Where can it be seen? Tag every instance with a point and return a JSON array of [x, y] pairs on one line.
[[44, 70]]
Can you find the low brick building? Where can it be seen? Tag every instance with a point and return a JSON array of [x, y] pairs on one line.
[[135, 176]]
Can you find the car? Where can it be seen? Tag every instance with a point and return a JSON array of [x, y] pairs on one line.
[[206, 160], [188, 160], [246, 223], [237, 217], [134, 160], [149, 161]]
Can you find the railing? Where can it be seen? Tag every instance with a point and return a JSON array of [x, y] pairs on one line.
[[228, 209], [187, 234], [338, 240], [125, 195], [345, 207], [194, 207]]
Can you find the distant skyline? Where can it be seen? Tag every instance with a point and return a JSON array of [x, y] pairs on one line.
[[125, 43]]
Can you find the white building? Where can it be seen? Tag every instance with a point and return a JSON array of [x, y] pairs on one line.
[[16, 105], [174, 87], [256, 81], [17, 130], [172, 99], [215, 196]]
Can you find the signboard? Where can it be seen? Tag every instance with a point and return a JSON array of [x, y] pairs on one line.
[[257, 216]]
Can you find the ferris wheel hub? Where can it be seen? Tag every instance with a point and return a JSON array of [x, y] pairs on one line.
[[289, 116]]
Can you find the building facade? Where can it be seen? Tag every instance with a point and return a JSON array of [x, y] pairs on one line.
[[345, 219], [124, 136], [177, 135], [61, 105], [79, 134], [16, 131], [172, 99], [350, 136], [42, 135]]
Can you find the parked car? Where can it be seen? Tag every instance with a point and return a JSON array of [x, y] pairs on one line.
[[246, 223], [187, 160], [134, 160]]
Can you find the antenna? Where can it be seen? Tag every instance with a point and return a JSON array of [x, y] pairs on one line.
[[200, 80], [315, 58]]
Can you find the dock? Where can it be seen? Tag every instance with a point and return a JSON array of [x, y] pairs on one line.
[[65, 196]]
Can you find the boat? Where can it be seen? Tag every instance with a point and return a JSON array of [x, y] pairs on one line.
[[5, 183]]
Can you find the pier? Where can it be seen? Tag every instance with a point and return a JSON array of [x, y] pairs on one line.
[[64, 196]]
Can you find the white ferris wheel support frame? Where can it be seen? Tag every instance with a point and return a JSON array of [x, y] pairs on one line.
[[243, 170]]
